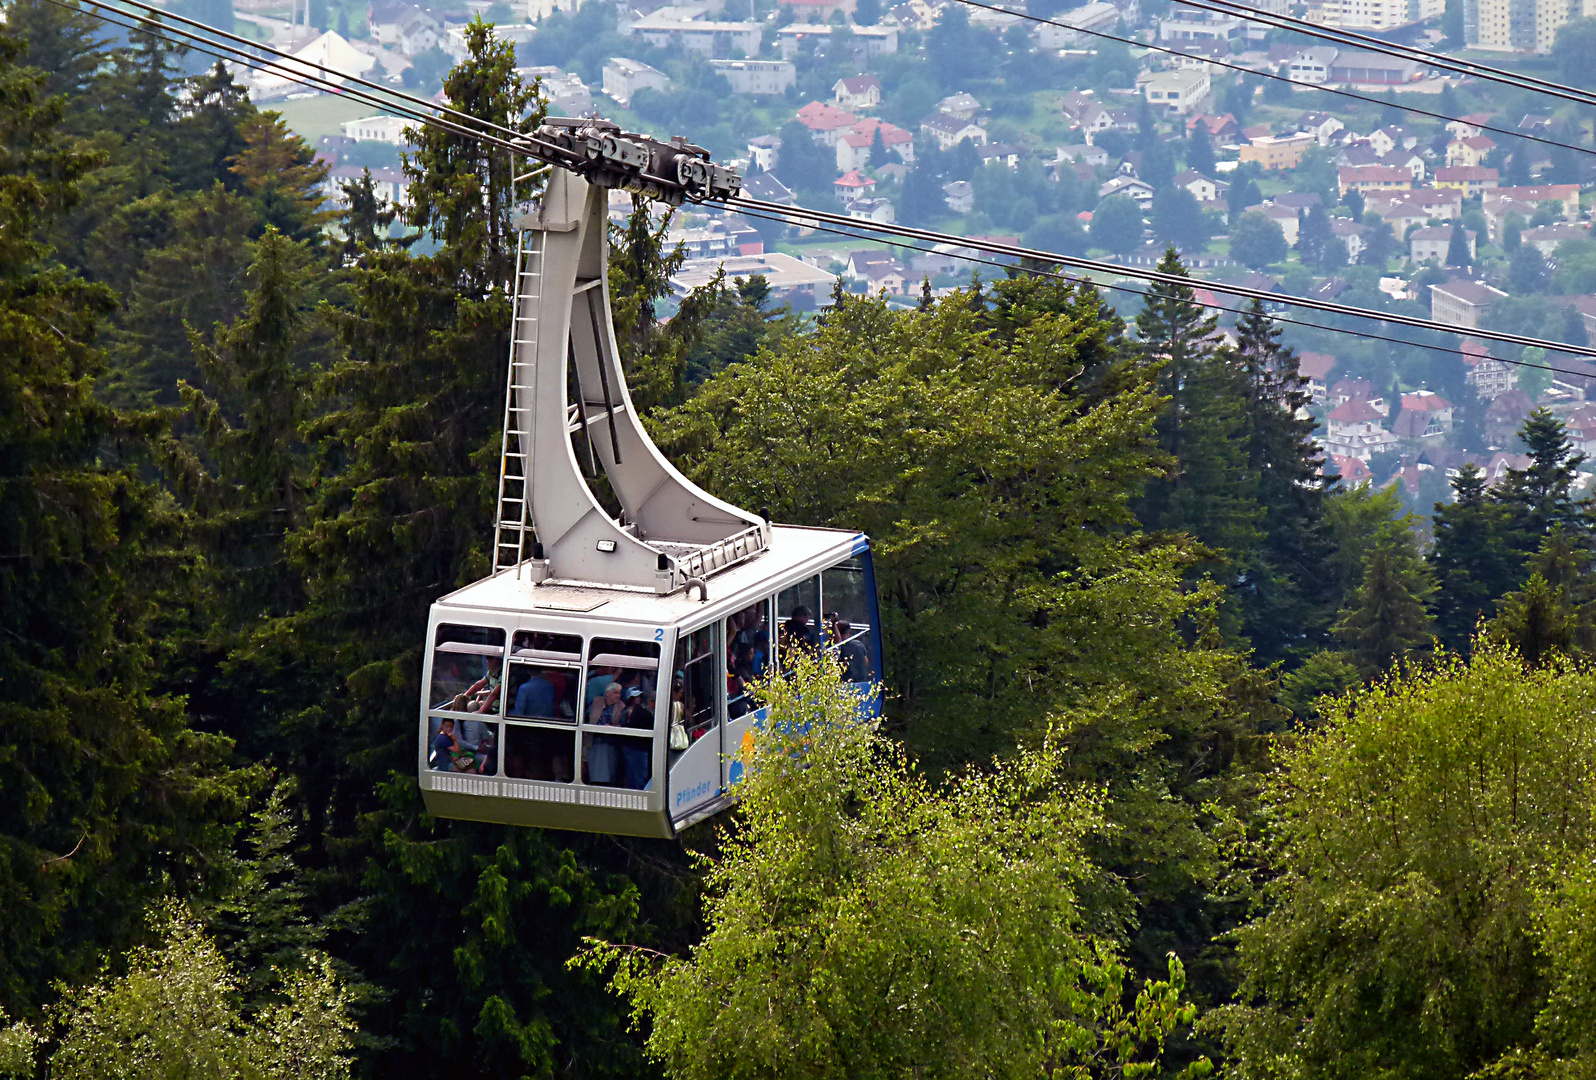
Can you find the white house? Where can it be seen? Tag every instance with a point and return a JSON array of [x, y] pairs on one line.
[[624, 78], [1070, 29], [949, 131], [1353, 430], [856, 93], [1178, 92], [386, 129]]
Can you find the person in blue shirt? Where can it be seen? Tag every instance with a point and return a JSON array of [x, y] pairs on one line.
[[444, 747], [537, 697]]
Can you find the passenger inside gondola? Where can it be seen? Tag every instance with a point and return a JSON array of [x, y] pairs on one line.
[[799, 631], [851, 652], [444, 747]]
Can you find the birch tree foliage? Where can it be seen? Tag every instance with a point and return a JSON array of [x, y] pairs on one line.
[[864, 922], [1430, 896], [175, 1015]]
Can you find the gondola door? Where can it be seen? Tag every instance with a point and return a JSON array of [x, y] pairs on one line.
[[747, 634]]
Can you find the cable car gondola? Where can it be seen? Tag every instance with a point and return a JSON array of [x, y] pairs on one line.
[[596, 680]]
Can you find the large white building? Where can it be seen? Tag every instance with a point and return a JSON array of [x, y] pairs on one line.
[[1097, 15], [758, 77], [623, 78], [1519, 25], [683, 29]]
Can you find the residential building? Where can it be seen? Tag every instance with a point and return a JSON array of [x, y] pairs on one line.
[[791, 280], [1507, 412], [960, 196], [1465, 127], [1312, 65], [826, 123], [1192, 27], [1178, 92], [856, 93], [1535, 194], [1316, 368], [677, 28], [1379, 15], [819, 11], [1097, 15], [1581, 428], [567, 94], [960, 105], [1221, 129], [757, 77], [1320, 125], [869, 41], [1488, 375], [1086, 113], [1007, 154], [1284, 216], [949, 131], [1546, 238], [1425, 415], [1471, 180], [405, 27], [1130, 186], [766, 188], [714, 238], [877, 210], [1420, 204], [764, 151], [1278, 152], [852, 185], [1353, 430], [623, 78], [853, 149], [1372, 178], [1354, 235], [385, 129], [389, 185], [1470, 151], [1432, 243], [1462, 302], [1392, 137], [1204, 189], [1352, 471]]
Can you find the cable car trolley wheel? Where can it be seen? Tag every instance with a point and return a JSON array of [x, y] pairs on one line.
[[598, 679]]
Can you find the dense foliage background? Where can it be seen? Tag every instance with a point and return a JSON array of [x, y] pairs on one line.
[[245, 442]]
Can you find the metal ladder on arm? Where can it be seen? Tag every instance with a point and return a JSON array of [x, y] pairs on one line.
[[512, 532]]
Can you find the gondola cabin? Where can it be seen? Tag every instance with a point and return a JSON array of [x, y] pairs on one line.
[[620, 711], [597, 679]]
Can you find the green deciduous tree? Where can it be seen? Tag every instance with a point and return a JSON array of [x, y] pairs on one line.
[[850, 928], [175, 1013], [1257, 241], [1117, 224], [1412, 841]]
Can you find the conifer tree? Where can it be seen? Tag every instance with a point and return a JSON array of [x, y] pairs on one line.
[[106, 797], [1287, 597], [1212, 492], [1474, 557], [1541, 496], [1457, 248], [1388, 619]]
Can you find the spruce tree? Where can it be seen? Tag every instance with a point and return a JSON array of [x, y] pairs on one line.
[[1200, 150], [1314, 236], [1474, 557], [107, 799], [1541, 496], [1388, 619], [1212, 489], [1287, 598], [1457, 248]]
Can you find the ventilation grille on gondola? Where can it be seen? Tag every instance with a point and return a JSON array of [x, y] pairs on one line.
[[511, 789]]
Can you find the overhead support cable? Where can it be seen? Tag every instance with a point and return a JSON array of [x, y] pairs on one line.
[[1138, 291], [800, 215]]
